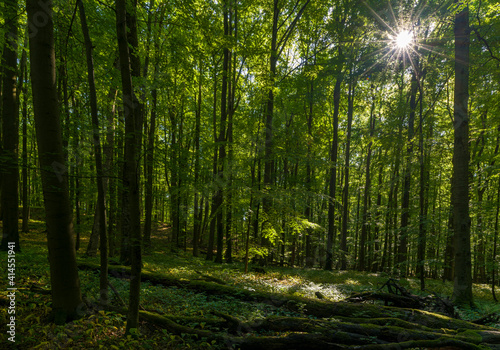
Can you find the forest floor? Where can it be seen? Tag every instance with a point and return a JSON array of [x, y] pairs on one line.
[[198, 309]]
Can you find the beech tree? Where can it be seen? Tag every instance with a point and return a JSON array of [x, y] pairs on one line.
[[131, 224], [65, 284], [462, 287], [10, 132]]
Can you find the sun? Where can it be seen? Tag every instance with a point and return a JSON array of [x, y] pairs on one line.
[[403, 39]]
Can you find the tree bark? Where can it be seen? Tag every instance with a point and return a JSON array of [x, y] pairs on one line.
[[219, 198], [198, 212], [365, 225], [149, 166], [333, 173], [423, 200], [213, 207], [24, 173], [66, 296], [345, 193], [402, 256], [101, 203], [462, 287], [9, 163], [133, 126]]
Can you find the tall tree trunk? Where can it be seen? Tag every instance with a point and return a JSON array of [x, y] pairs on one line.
[[495, 243], [308, 211], [213, 208], [345, 193], [77, 197], [10, 131], [402, 257], [109, 159], [233, 31], [423, 193], [65, 284], [198, 212], [462, 287], [269, 140], [333, 173], [25, 173], [148, 198], [222, 142], [101, 204], [366, 198], [133, 124]]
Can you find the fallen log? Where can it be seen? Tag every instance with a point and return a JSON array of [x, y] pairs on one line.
[[398, 296], [369, 322]]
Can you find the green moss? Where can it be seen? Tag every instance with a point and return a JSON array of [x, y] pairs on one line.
[[470, 336]]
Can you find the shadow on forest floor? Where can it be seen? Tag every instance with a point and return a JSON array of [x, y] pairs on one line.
[[106, 329]]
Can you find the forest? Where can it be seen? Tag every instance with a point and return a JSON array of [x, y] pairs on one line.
[[237, 174]]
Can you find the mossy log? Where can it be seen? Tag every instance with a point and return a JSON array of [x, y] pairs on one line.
[[399, 296], [345, 325], [301, 341]]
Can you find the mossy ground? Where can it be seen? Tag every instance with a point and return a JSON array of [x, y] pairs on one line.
[[106, 329]]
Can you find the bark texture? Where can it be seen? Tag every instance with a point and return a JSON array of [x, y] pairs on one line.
[[66, 296]]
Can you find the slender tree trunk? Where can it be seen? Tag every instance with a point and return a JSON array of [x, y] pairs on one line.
[[345, 194], [366, 198], [495, 243], [109, 159], [77, 198], [133, 125], [101, 204], [197, 205], [377, 259], [213, 209], [462, 288], [9, 163], [25, 173], [149, 171], [65, 284], [222, 142], [333, 174], [149, 166], [424, 185], [402, 257], [233, 31], [308, 211], [269, 134]]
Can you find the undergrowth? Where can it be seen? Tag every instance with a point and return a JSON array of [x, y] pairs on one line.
[[105, 330]]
